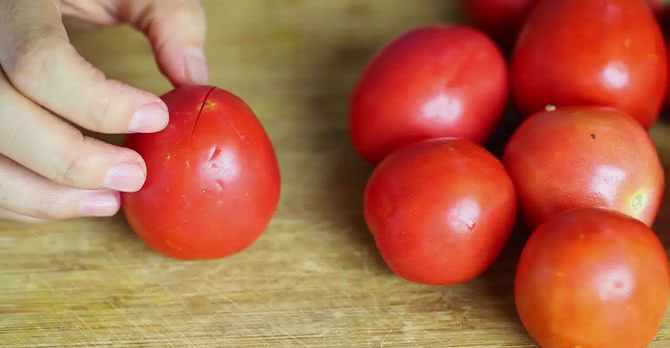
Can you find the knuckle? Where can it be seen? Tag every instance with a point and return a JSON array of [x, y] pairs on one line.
[[75, 162], [99, 111], [48, 209], [188, 7], [33, 53], [187, 15], [186, 12], [10, 134]]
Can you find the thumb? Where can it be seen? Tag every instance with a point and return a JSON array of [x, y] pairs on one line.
[[176, 30]]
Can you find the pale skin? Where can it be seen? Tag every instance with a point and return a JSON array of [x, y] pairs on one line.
[[48, 169]]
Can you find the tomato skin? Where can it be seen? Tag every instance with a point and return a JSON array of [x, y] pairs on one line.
[[213, 181], [440, 210], [592, 278], [433, 81], [584, 157], [502, 19], [591, 53]]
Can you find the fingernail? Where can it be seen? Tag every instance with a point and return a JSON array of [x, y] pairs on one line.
[[125, 177], [100, 204], [196, 66], [149, 118]]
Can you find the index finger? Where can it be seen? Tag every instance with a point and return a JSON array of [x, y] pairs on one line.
[[39, 61]]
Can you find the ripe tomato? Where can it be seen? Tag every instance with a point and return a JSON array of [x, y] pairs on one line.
[[432, 81], [592, 278], [212, 177], [502, 19], [440, 210], [584, 157], [582, 53]]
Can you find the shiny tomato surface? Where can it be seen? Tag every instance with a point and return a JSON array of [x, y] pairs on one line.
[[212, 177], [584, 157], [591, 53], [440, 210], [502, 19], [434, 81], [592, 278]]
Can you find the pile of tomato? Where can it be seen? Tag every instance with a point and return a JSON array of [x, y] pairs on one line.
[[588, 78]]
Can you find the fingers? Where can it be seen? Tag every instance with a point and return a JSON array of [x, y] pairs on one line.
[[26, 196], [176, 30], [6, 215], [54, 149], [40, 62]]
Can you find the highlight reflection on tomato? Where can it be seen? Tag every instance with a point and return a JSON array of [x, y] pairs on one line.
[[591, 53], [434, 81], [212, 177], [592, 278], [440, 210], [584, 157]]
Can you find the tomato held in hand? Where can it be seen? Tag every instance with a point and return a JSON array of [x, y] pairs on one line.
[[592, 278], [584, 53], [430, 82], [212, 177], [501, 19], [440, 210], [584, 157]]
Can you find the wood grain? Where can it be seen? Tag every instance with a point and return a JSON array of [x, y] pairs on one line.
[[314, 279]]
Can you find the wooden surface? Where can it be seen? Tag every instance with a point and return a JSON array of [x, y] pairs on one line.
[[314, 279]]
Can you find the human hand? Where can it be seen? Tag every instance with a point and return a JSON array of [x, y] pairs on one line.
[[48, 168]]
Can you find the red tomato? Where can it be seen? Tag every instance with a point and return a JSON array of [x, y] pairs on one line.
[[440, 210], [592, 278], [501, 19], [584, 157], [430, 82], [212, 177], [582, 53]]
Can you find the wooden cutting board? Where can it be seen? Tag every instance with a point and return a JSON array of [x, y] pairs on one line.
[[314, 279]]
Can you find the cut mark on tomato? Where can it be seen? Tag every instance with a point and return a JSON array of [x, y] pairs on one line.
[[195, 125], [216, 152], [463, 217], [202, 107]]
